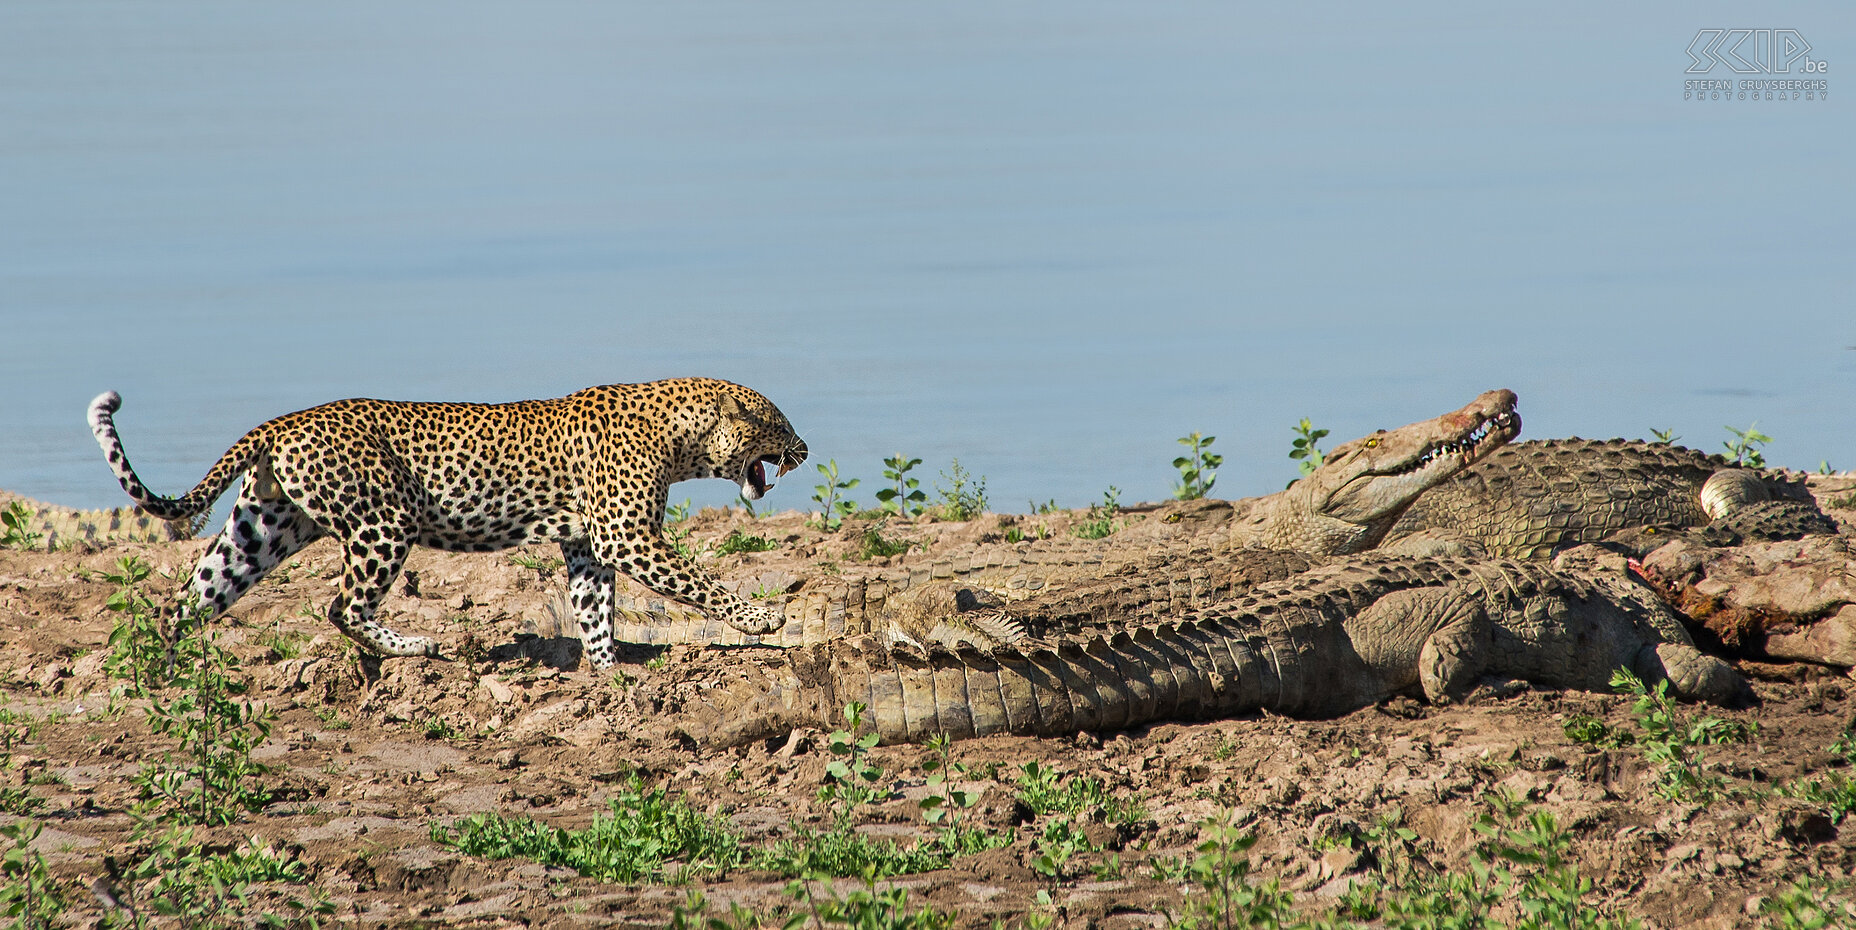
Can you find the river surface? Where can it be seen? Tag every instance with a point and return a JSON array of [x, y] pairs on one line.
[[1046, 239]]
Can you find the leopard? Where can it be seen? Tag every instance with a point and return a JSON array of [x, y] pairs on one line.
[[590, 471]]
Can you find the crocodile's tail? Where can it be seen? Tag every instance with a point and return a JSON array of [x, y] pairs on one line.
[[195, 504]]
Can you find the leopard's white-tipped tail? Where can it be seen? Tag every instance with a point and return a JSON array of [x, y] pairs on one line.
[[197, 502]]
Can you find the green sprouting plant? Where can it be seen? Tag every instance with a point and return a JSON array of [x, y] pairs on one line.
[[203, 707], [965, 496], [1048, 507], [194, 697], [850, 779], [1225, 896], [747, 505], [1304, 447], [1673, 742], [833, 507], [139, 649], [282, 644], [905, 496], [1592, 731], [1664, 437], [1102, 520], [675, 515], [1807, 904], [866, 908], [28, 897], [543, 565], [1846, 502], [1044, 789], [1060, 842], [874, 545], [179, 876], [1014, 534], [1198, 468], [1834, 791], [437, 728], [853, 781], [1743, 449], [16, 527], [737, 541], [642, 832], [1519, 876], [943, 803], [1823, 467]]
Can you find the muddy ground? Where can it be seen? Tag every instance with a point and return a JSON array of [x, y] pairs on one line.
[[366, 760]]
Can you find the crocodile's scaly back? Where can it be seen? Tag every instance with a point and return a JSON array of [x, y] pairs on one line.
[[1330, 641], [57, 527], [901, 598], [1532, 499]]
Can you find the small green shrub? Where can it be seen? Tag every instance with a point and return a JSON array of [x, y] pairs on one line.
[[1807, 904], [16, 528], [1198, 468], [1673, 742], [28, 896], [642, 831], [965, 497], [1102, 520], [1595, 732], [737, 541], [904, 496], [1044, 789], [675, 516], [542, 565], [1664, 437], [1744, 448], [833, 507], [1304, 447], [874, 545]]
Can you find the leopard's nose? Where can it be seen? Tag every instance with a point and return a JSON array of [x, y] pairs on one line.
[[793, 456]]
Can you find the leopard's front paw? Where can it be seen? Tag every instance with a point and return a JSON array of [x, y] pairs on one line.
[[755, 619]]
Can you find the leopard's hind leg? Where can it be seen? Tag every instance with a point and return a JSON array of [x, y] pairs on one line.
[[589, 590], [258, 536], [374, 555]]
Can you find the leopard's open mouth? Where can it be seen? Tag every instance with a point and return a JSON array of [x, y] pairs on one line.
[[757, 484]]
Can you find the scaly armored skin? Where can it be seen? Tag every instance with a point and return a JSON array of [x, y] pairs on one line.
[[1327, 642], [62, 526], [906, 599], [1532, 499], [1344, 507]]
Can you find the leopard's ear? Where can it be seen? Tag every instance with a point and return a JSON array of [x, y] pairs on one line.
[[729, 405]]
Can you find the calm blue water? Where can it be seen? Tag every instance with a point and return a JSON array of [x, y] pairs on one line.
[[1046, 238]]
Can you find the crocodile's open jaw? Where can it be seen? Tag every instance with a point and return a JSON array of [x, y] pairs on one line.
[[1502, 427], [1390, 481]]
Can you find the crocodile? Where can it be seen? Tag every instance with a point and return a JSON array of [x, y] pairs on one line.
[[1327, 642], [1534, 499], [58, 527], [1356, 494]]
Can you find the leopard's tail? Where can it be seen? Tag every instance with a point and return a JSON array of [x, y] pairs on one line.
[[195, 504]]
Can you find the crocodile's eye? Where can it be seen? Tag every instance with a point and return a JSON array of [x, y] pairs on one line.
[[1171, 518], [1372, 443]]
